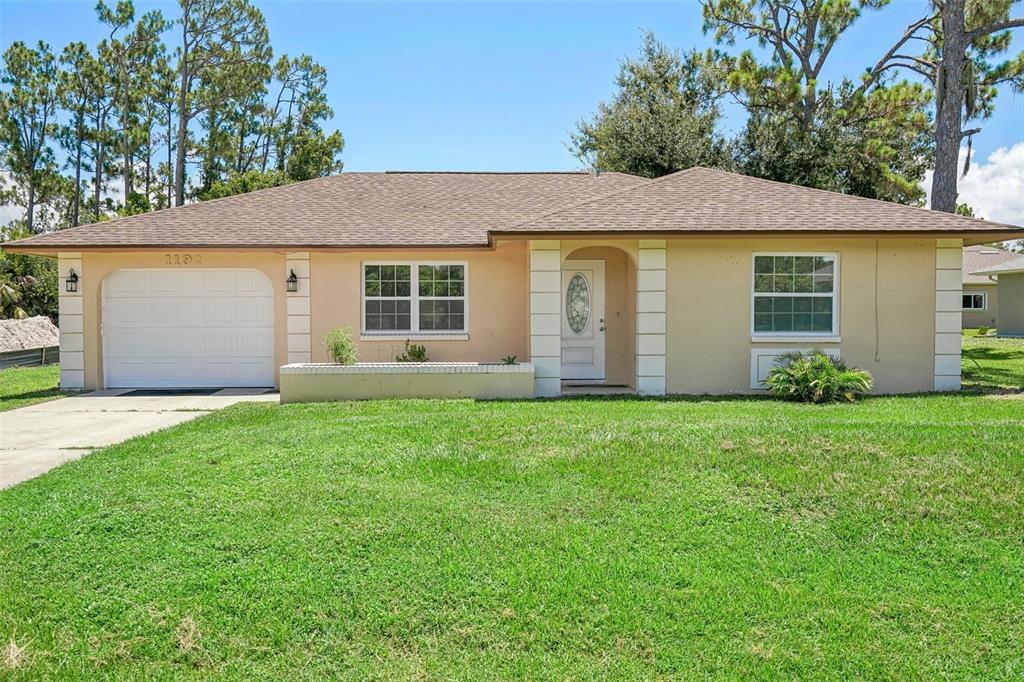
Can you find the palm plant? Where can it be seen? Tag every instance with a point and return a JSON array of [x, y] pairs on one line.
[[816, 377], [11, 293]]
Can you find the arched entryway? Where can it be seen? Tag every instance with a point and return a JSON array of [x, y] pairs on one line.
[[598, 317]]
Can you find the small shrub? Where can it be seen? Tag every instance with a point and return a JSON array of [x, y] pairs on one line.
[[815, 377], [983, 330], [413, 353], [510, 360], [340, 346]]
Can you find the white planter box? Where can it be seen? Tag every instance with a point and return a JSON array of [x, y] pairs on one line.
[[316, 382]]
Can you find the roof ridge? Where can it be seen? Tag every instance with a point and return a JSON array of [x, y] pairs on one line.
[[599, 197], [831, 193], [489, 172], [857, 197]]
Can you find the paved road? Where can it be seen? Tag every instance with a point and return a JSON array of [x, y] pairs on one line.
[[39, 437]]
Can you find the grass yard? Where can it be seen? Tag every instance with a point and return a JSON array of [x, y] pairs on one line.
[[21, 386], [567, 539], [992, 364]]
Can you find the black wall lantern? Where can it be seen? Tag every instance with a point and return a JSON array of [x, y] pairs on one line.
[[292, 282], [71, 283]]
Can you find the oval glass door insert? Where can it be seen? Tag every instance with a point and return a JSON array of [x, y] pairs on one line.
[[577, 303]]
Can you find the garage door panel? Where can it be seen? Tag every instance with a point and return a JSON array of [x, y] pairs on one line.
[[188, 328]]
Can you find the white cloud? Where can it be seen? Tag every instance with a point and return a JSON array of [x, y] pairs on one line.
[[9, 212], [994, 189]]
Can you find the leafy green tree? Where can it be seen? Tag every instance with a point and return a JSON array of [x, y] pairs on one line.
[[75, 100], [963, 43], [28, 284], [662, 118], [27, 120], [132, 59], [223, 45], [249, 181], [965, 210], [875, 138], [314, 154], [160, 103]]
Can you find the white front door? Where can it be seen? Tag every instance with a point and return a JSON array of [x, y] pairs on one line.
[[179, 328], [583, 321]]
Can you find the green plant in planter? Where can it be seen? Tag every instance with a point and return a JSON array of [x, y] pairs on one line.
[[413, 353], [815, 377], [983, 330], [510, 360], [340, 346]]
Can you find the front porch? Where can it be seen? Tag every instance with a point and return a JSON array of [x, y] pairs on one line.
[[597, 316]]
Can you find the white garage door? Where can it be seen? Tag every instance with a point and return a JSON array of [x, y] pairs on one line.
[[188, 329]]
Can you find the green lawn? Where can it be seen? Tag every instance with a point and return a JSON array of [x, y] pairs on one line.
[[992, 364], [21, 386], [567, 539]]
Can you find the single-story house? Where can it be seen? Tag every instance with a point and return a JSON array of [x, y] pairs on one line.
[[28, 342], [1010, 290], [691, 283], [981, 295]]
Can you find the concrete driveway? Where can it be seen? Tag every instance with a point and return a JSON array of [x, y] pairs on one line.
[[39, 437]]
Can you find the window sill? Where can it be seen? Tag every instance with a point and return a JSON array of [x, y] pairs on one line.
[[795, 338], [417, 336]]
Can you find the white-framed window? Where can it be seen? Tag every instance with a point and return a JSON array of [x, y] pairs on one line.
[[976, 300], [795, 294], [416, 297]]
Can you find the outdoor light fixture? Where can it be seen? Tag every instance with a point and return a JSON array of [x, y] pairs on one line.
[[71, 283], [292, 282]]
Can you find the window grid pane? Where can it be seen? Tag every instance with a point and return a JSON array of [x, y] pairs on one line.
[[794, 293], [389, 292]]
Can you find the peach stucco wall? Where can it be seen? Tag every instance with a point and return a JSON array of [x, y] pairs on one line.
[[708, 302], [97, 265], [709, 311], [498, 286]]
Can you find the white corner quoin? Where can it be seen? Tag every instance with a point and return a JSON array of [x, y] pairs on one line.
[[72, 337], [651, 306], [546, 316], [300, 345], [949, 255]]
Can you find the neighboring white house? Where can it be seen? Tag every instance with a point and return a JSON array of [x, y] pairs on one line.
[[981, 295], [1010, 291]]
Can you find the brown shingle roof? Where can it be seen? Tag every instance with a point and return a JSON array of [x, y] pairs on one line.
[[709, 200], [981, 257], [353, 209], [464, 209]]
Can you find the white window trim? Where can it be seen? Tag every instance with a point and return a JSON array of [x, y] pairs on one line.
[[824, 337], [414, 303], [984, 301]]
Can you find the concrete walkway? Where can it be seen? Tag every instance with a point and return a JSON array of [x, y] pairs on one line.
[[39, 437]]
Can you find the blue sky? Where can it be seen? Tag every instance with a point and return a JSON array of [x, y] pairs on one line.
[[482, 85]]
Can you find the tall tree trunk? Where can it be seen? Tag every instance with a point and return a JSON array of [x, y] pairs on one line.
[[949, 95], [170, 180], [99, 173], [186, 77], [126, 156], [76, 208], [179, 161], [30, 213]]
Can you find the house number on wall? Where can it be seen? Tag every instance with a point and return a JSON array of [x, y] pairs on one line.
[[183, 259]]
